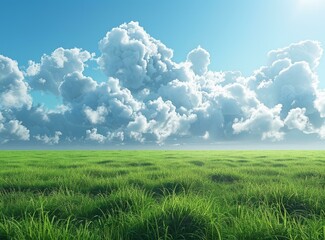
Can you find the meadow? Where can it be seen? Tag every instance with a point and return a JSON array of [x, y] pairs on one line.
[[162, 195]]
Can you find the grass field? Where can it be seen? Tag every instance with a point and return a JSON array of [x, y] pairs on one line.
[[162, 195]]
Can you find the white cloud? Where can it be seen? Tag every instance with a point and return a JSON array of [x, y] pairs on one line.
[[137, 59], [96, 116], [75, 86], [17, 130], [139, 124], [94, 136], [321, 132], [150, 98], [306, 51], [120, 100], [297, 119], [12, 130], [182, 94], [13, 88], [262, 121], [320, 102], [294, 87], [206, 135], [137, 128], [49, 140], [2, 127], [200, 60], [164, 121], [116, 136], [291, 80], [50, 72]]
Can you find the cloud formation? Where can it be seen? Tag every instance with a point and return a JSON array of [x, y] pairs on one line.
[[13, 88], [150, 99], [200, 60], [50, 72]]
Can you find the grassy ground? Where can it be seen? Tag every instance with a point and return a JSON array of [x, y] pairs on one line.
[[162, 195]]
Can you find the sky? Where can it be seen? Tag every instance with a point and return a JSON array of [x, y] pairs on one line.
[[161, 73]]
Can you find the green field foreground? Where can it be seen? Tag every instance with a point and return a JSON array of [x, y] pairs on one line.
[[162, 195]]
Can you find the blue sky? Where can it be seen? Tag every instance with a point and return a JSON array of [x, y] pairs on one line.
[[237, 35]]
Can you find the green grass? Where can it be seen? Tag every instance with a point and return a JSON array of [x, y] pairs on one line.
[[162, 195]]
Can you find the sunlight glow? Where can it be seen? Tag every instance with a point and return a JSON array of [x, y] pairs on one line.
[[310, 4]]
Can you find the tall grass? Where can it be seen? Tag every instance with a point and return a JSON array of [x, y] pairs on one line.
[[162, 195]]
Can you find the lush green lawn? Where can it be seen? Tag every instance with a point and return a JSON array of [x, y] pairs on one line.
[[162, 195]]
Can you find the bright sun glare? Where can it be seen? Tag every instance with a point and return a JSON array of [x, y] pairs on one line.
[[310, 3]]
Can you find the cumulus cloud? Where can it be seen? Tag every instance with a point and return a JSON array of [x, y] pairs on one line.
[[320, 102], [182, 94], [305, 51], [138, 60], [12, 130], [13, 88], [291, 80], [262, 121], [297, 119], [94, 136], [138, 127], [164, 120], [199, 59], [48, 139], [290, 84], [50, 72], [96, 116], [150, 98], [75, 86]]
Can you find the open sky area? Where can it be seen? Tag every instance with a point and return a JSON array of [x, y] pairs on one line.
[[147, 74]]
